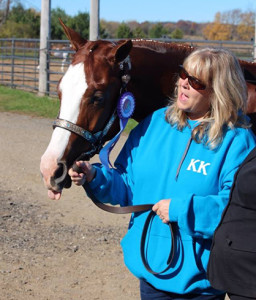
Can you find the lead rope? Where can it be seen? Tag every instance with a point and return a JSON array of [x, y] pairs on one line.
[[134, 209], [149, 220]]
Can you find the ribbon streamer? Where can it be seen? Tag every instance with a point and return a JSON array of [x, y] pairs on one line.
[[125, 109]]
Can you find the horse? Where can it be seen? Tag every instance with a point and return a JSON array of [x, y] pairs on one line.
[[62, 53], [89, 91]]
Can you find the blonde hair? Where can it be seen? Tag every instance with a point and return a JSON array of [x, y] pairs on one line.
[[220, 70]]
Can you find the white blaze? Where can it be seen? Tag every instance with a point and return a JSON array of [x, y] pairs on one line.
[[72, 87]]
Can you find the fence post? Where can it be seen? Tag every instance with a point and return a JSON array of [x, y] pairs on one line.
[[43, 54], [94, 20], [13, 62]]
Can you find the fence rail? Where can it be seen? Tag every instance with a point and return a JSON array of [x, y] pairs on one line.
[[19, 60]]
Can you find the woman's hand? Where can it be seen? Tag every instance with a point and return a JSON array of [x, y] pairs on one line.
[[161, 208], [87, 173]]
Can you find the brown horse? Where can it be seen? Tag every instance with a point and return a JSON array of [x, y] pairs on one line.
[[100, 71]]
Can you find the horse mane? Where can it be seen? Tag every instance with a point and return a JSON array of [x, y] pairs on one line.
[[160, 46]]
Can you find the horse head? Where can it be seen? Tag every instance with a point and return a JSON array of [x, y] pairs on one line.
[[88, 93]]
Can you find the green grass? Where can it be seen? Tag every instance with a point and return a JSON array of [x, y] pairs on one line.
[[28, 103]]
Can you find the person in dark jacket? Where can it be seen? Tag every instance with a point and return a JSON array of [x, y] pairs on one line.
[[232, 263]]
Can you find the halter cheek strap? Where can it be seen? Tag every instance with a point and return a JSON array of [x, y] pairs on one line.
[[95, 139]]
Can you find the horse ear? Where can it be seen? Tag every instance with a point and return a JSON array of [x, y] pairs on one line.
[[122, 51], [75, 39]]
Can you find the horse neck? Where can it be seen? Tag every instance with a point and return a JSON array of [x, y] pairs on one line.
[[153, 75]]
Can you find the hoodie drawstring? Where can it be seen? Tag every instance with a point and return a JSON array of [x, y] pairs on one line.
[[183, 157]]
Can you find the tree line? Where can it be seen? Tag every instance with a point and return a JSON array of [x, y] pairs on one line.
[[19, 22]]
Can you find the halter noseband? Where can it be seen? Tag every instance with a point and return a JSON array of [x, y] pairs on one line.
[[96, 139]]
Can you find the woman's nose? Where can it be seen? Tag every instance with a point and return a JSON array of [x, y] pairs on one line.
[[184, 83]]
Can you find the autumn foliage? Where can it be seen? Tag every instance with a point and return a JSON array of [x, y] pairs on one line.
[[232, 25]]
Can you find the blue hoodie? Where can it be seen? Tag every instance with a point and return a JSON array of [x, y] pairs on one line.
[[160, 162]]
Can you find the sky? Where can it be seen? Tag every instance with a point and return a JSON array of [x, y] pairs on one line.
[[199, 11]]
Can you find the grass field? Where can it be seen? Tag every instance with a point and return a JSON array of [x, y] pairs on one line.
[[28, 103]]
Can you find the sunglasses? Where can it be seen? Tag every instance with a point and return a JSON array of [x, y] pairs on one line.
[[194, 82]]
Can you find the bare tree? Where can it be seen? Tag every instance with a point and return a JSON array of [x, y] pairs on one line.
[[4, 10]]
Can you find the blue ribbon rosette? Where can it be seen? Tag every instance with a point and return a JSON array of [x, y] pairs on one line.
[[125, 109]]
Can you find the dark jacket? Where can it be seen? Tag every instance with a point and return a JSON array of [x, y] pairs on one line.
[[232, 264]]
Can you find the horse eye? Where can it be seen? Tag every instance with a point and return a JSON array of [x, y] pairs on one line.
[[97, 99]]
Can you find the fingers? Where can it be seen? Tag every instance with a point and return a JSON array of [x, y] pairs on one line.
[[81, 172], [161, 208], [155, 207], [77, 178], [163, 218], [77, 175]]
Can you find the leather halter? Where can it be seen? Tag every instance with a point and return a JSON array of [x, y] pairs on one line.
[[96, 140]]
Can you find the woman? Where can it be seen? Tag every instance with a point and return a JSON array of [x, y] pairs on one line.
[[182, 159], [232, 264]]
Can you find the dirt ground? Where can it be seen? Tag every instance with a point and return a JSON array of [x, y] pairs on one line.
[[68, 249]]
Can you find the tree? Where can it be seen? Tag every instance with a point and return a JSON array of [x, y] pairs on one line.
[[218, 30], [16, 30], [233, 18], [110, 28], [231, 25], [124, 31], [177, 34], [80, 23], [4, 10], [103, 33], [19, 23], [246, 29], [139, 33], [145, 26], [19, 14], [57, 32], [157, 31]]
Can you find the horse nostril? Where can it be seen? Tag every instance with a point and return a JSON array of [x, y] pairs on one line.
[[60, 173]]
